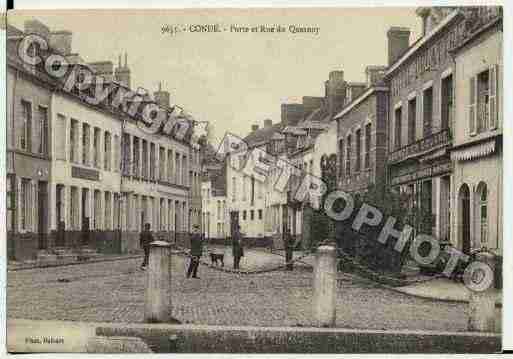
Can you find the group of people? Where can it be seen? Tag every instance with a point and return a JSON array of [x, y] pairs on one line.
[[196, 248]]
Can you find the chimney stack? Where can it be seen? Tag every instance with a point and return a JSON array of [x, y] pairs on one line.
[[122, 73], [335, 89], [374, 74], [61, 41], [162, 98], [254, 128], [268, 123], [398, 42]]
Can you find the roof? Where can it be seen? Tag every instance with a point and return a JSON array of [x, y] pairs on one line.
[[263, 135]]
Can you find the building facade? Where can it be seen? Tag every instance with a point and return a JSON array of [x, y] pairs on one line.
[[421, 117], [477, 145], [362, 137]]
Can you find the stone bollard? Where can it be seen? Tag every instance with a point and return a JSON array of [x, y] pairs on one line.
[[158, 291], [482, 302], [325, 286]]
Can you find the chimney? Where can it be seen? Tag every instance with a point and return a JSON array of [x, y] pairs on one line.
[[398, 42], [374, 74], [122, 73], [268, 123], [61, 41], [291, 113], [37, 27], [103, 68], [161, 97], [254, 128], [335, 89]]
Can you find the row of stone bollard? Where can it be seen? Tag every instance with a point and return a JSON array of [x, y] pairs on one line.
[[158, 292]]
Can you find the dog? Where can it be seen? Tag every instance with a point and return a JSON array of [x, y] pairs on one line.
[[214, 257]]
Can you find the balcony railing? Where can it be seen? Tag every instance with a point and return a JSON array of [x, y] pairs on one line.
[[422, 146]]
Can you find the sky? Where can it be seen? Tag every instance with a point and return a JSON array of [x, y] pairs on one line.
[[233, 79]]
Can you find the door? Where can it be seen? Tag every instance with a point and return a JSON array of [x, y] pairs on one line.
[[464, 199], [42, 213]]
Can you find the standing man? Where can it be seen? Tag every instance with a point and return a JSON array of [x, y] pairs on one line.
[[144, 240], [237, 249], [289, 248], [196, 252]]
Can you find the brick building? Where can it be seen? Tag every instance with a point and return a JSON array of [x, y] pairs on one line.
[[362, 136]]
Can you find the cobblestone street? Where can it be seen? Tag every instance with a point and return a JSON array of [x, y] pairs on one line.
[[114, 292]]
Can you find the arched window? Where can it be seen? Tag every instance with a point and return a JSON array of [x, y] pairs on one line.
[[482, 212]]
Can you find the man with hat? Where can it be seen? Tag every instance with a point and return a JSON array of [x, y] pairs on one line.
[[196, 252], [237, 250]]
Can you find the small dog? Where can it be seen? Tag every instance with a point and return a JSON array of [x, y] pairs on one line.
[[214, 257]]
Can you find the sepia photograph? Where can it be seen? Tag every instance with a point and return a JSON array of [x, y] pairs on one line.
[[255, 180]]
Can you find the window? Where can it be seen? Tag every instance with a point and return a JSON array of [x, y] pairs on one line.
[[73, 208], [252, 214], [244, 214], [152, 161], [412, 120], [25, 205], [116, 157], [483, 101], [73, 141], [98, 209], [244, 188], [126, 154], [162, 163], [367, 145], [107, 152], [60, 137], [260, 214], [184, 170], [43, 130], [398, 127], [358, 149], [177, 168], [108, 206], [483, 213], [218, 209], [11, 202], [252, 190], [348, 156], [135, 158], [162, 215], [428, 112], [86, 147], [169, 166], [26, 131], [341, 158], [447, 102], [234, 189], [96, 145], [144, 159]]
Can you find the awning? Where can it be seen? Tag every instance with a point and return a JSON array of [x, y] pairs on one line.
[[475, 151]]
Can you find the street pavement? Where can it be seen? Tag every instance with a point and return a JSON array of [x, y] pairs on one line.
[[114, 292]]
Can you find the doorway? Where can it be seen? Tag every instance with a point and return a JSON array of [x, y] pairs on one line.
[[464, 218], [42, 214]]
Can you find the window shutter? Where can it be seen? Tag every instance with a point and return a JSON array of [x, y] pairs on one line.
[[472, 106], [492, 102]]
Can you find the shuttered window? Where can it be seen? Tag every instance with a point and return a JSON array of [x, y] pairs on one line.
[[472, 106]]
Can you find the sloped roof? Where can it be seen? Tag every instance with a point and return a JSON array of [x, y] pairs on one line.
[[263, 135]]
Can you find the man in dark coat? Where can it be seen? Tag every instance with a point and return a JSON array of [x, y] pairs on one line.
[[145, 239], [237, 250], [289, 248], [196, 252]]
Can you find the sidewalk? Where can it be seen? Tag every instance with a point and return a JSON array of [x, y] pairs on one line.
[[443, 289], [14, 266]]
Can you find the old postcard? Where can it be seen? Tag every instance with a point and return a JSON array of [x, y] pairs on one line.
[[296, 180]]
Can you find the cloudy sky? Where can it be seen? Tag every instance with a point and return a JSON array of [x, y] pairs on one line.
[[234, 80]]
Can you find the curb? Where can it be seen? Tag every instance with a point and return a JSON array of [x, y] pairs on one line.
[[438, 299], [51, 265]]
